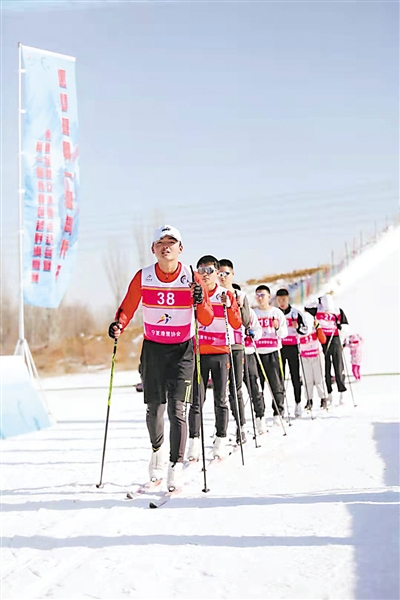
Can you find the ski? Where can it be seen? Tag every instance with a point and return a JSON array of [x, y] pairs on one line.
[[165, 498], [143, 489]]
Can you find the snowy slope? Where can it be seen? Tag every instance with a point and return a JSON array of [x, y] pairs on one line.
[[312, 515], [368, 292]]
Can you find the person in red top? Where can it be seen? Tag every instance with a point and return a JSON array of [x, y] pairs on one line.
[[168, 295], [214, 357]]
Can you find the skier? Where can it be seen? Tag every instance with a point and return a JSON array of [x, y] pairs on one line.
[[214, 358], [253, 333], [290, 352], [274, 328], [332, 320], [226, 275], [167, 358], [355, 342], [311, 355]]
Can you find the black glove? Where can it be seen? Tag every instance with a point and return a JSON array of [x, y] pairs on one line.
[[338, 324], [111, 331], [250, 333], [198, 295]]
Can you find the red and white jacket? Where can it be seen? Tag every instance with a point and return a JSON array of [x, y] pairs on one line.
[[213, 337], [270, 340]]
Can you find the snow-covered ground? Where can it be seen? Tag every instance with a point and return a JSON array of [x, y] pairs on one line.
[[368, 292], [312, 515]]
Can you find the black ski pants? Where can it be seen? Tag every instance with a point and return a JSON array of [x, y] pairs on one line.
[[272, 370], [167, 375], [251, 379], [290, 354], [237, 378], [218, 365], [334, 354]]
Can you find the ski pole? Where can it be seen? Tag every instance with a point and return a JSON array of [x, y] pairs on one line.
[[100, 484], [347, 372], [198, 375], [305, 380], [283, 385], [269, 385], [247, 378], [237, 418]]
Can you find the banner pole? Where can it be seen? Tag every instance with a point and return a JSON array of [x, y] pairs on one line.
[[21, 331]]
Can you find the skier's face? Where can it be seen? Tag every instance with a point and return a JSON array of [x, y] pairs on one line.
[[262, 297], [283, 302], [168, 248], [208, 273], [225, 275]]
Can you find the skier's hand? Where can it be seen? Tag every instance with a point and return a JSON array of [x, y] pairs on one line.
[[225, 300], [275, 323], [239, 300], [114, 331], [197, 293], [250, 333]]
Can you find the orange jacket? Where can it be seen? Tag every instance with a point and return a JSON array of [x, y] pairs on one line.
[[133, 297]]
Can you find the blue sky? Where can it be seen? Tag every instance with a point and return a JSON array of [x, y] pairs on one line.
[[266, 131]]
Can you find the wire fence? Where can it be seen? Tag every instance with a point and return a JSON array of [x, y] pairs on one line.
[[306, 286]]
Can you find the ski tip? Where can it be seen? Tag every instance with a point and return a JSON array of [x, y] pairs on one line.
[[152, 505]]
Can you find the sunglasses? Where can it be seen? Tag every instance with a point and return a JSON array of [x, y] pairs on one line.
[[224, 273], [204, 270], [261, 295]]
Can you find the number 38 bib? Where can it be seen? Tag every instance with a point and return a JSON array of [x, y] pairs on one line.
[[168, 315]]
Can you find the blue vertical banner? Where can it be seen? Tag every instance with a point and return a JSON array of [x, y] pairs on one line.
[[50, 171]]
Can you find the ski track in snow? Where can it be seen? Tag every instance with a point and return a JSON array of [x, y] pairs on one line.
[[313, 515]]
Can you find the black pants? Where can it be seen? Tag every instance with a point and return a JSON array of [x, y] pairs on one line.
[[291, 355], [218, 365], [270, 363], [167, 374], [238, 361], [251, 380], [335, 355]]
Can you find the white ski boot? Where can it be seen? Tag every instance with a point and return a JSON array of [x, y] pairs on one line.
[[157, 464], [175, 476], [260, 425], [297, 410], [329, 399], [276, 420], [219, 447], [194, 449], [341, 398]]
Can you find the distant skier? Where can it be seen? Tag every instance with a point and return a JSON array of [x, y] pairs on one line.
[[290, 353], [274, 328], [226, 275], [332, 321], [355, 343], [167, 358], [311, 357], [214, 358]]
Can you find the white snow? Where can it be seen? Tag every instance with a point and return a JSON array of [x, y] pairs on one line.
[[368, 292], [312, 515]]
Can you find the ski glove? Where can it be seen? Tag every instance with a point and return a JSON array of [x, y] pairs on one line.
[[198, 295], [111, 331], [250, 333]]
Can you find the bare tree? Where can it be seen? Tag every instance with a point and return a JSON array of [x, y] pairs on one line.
[[143, 235], [117, 267]]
